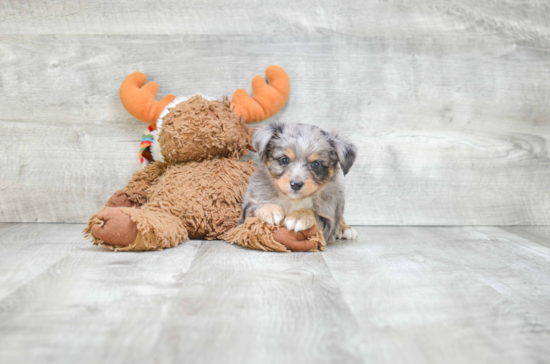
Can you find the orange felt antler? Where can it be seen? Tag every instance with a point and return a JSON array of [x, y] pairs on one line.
[[140, 100], [267, 99]]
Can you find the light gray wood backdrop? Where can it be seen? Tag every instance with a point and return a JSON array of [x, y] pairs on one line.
[[447, 101]]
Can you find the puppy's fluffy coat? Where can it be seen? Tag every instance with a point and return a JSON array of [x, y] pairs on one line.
[[299, 180]]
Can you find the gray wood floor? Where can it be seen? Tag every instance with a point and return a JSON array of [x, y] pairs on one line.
[[396, 295]]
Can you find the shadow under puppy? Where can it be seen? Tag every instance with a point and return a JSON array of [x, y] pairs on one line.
[[299, 180]]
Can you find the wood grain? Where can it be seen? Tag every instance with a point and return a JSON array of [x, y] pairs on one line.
[[92, 305], [446, 100], [7, 225], [215, 17], [395, 295], [27, 250], [523, 20], [200, 302], [247, 306], [539, 235], [454, 295], [451, 129]]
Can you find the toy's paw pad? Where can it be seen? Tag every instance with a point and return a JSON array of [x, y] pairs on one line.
[[271, 214], [116, 228], [300, 220], [119, 199], [346, 233], [296, 241]]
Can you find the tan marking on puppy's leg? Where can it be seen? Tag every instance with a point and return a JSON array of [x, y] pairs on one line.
[[346, 232], [270, 213], [299, 220], [343, 225]]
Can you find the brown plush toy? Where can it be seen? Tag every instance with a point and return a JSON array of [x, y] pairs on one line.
[[194, 183]]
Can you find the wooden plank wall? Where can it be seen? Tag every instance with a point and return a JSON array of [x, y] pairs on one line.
[[447, 101]]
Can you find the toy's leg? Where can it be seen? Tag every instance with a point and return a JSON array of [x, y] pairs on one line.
[[256, 234], [301, 241], [120, 199], [131, 229], [135, 192]]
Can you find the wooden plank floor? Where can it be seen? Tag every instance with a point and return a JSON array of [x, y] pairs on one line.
[[396, 295]]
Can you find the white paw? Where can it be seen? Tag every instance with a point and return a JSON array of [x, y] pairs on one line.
[[271, 214], [348, 233], [299, 223]]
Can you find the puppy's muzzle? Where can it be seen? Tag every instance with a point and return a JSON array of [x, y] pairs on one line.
[[296, 185]]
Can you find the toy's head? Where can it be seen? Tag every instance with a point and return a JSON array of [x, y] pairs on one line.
[[198, 127]]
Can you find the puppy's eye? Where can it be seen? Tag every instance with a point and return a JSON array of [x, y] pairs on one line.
[[284, 161], [315, 165]]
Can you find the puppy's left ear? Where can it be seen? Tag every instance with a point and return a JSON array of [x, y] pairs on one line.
[[345, 151]]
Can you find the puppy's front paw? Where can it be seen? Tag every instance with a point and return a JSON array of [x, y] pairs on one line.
[[300, 220], [271, 214], [346, 232]]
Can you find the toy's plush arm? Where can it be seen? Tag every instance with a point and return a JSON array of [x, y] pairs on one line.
[[267, 99], [136, 189], [256, 234]]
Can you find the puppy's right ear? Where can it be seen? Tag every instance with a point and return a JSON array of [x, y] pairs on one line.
[[344, 150], [263, 136]]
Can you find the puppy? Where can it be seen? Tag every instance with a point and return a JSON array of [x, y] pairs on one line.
[[299, 180]]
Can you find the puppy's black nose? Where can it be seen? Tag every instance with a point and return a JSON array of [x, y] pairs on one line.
[[296, 185]]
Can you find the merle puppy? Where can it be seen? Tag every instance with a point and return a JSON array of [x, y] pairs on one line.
[[299, 180]]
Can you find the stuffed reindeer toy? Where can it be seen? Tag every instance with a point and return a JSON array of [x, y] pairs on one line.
[[192, 183]]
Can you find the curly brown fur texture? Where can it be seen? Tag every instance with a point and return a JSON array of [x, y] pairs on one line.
[[200, 129], [136, 189], [199, 200], [205, 195], [256, 234]]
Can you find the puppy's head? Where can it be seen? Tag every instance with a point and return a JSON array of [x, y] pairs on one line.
[[301, 158]]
